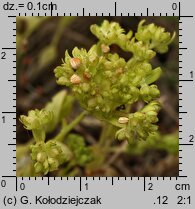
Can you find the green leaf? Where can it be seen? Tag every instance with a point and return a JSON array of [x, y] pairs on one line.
[[153, 76], [47, 56], [60, 106], [169, 143]]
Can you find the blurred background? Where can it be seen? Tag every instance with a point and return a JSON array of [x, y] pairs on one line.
[[41, 44]]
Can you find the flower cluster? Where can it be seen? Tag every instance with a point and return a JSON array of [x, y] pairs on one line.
[[140, 124], [48, 156], [37, 121], [81, 154], [106, 86], [155, 37], [102, 81]]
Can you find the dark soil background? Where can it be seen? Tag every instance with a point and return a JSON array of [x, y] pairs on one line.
[[36, 84]]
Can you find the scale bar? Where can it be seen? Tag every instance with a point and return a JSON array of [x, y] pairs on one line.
[[80, 184], [186, 80], [187, 16], [115, 8], [144, 183], [179, 10], [8, 48], [8, 112], [11, 80]]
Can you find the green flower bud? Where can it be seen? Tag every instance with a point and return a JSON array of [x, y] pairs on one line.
[[140, 124], [63, 74], [149, 93], [122, 134], [53, 163], [48, 156], [38, 167], [37, 121], [63, 81], [111, 33], [152, 113], [85, 87], [141, 52], [54, 153], [92, 102], [46, 167], [41, 157], [155, 36], [82, 153], [138, 115]]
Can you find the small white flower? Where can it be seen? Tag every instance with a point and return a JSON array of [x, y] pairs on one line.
[[105, 48], [75, 79], [75, 63], [123, 120]]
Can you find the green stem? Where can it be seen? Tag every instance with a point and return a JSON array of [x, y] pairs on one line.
[[67, 128], [103, 146], [107, 135], [39, 135]]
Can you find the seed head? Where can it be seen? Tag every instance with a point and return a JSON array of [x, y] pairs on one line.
[[75, 63]]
